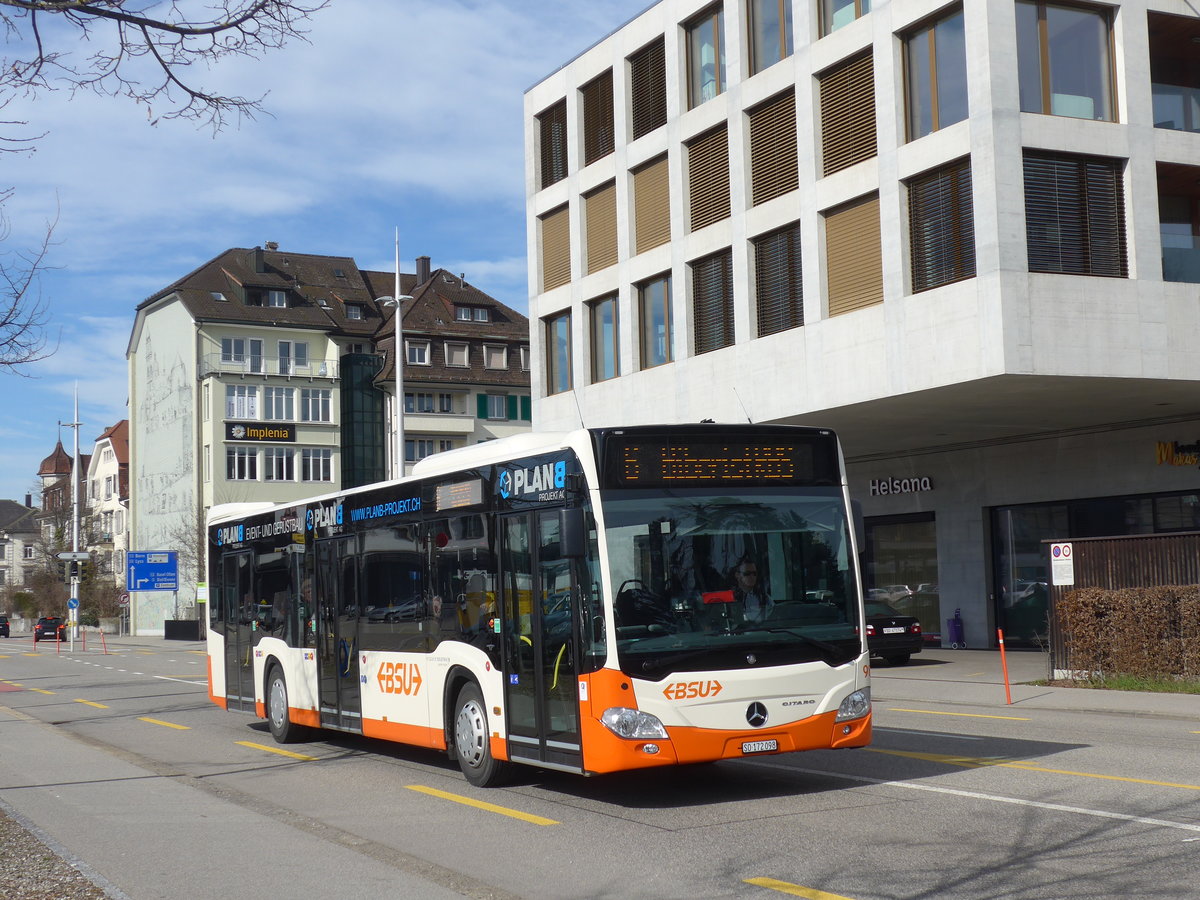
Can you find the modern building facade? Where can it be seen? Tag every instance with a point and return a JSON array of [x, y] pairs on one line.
[[266, 375], [966, 236]]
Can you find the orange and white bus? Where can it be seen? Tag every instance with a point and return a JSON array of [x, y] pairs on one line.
[[574, 602]]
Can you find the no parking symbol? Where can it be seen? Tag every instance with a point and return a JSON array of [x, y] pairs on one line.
[[1062, 564]]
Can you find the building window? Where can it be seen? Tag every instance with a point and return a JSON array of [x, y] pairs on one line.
[[241, 401], [648, 88], [293, 357], [558, 353], [316, 405], [705, 56], [935, 58], [482, 314], [770, 32], [494, 406], [27, 552], [712, 302], [552, 140], [654, 310], [1075, 214], [941, 219], [446, 403], [1179, 221], [853, 256], [1064, 60], [206, 462], [233, 350], [600, 215], [597, 103], [495, 356], [462, 313], [354, 312], [316, 465], [279, 464], [241, 464], [708, 177], [206, 400], [1174, 72], [774, 170], [418, 403], [417, 352], [651, 206], [276, 298], [606, 355], [556, 249], [279, 404], [418, 449], [836, 13], [457, 355], [847, 114], [778, 286], [524, 359], [3, 550]]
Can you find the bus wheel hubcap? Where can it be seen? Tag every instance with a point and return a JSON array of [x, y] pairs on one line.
[[471, 732]]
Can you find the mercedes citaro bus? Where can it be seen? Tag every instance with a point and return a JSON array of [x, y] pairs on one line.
[[565, 601]]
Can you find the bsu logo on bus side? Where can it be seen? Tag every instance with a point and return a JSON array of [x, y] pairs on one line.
[[691, 690]]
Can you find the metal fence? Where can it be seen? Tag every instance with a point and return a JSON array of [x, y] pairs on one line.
[[1142, 560]]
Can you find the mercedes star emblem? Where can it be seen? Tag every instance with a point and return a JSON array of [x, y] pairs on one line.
[[756, 715]]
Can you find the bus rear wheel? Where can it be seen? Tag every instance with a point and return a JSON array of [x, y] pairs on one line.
[[283, 729], [472, 740]]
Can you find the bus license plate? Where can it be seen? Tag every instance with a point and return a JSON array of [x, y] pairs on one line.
[[893, 631], [759, 746]]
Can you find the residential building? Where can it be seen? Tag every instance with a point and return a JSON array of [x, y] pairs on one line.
[[108, 503], [266, 375], [18, 544], [964, 235]]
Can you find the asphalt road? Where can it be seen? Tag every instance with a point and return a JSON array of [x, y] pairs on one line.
[[123, 763]]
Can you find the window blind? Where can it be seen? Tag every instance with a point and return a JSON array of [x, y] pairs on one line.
[[648, 88], [1075, 214], [552, 128], [651, 205], [941, 226], [600, 210], [778, 286], [853, 258], [708, 178], [598, 118], [773, 164], [712, 302], [847, 114], [556, 249]]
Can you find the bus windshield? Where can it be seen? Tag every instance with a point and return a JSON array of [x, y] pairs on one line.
[[709, 581]]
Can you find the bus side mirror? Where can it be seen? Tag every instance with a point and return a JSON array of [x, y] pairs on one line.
[[573, 543]]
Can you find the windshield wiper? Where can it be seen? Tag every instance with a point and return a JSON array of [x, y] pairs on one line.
[[832, 654]]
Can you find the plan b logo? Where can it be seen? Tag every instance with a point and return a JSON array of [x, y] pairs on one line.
[[540, 482], [506, 484]]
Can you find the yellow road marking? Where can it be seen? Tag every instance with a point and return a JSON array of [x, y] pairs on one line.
[[479, 804], [287, 753], [975, 762], [90, 703], [40, 691], [794, 889], [164, 724], [930, 712]]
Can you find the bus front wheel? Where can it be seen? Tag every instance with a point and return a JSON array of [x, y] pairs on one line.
[[472, 739], [283, 729]]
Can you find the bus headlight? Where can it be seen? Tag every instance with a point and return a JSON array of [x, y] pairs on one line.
[[632, 723], [855, 706]]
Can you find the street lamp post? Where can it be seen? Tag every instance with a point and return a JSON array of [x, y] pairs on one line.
[[397, 301]]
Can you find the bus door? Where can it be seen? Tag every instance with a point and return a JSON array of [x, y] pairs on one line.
[[540, 646], [239, 609], [337, 633]]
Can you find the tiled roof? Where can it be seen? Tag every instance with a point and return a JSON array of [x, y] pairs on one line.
[[118, 436], [57, 463], [16, 517]]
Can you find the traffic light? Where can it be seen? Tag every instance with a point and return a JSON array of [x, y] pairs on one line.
[[73, 569]]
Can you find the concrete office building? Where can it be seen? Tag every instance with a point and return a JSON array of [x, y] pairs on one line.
[[966, 236]]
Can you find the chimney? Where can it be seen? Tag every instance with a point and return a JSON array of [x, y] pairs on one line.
[[257, 260], [422, 269], [29, 500]]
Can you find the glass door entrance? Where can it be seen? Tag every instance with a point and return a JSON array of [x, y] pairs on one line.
[[238, 613], [539, 598], [337, 634]]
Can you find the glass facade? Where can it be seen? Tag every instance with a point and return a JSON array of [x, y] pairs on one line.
[[364, 438]]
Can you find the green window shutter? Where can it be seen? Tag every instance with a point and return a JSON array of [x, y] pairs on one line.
[[481, 407], [526, 409], [511, 403]]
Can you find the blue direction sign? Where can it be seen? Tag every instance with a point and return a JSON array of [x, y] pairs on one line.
[[73, 603], [151, 570]]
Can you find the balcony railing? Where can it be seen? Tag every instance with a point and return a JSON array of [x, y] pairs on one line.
[[216, 364]]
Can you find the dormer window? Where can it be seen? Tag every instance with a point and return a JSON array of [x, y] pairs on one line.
[[481, 314], [218, 296], [277, 298], [462, 313], [354, 312]]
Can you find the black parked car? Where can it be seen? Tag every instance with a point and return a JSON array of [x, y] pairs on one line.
[[891, 635], [47, 628], [3, 626]]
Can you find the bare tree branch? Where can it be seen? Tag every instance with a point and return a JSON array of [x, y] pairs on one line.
[[24, 314]]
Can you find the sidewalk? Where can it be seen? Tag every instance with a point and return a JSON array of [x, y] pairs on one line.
[[976, 678]]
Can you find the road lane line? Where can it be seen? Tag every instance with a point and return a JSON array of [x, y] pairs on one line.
[[794, 890], [91, 703], [479, 804], [164, 724], [180, 680], [40, 691], [932, 712], [287, 753], [994, 798]]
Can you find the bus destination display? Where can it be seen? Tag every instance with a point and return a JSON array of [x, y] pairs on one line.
[[653, 463], [459, 494]]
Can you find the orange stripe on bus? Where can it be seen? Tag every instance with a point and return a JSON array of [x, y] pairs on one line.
[[219, 701], [416, 735]]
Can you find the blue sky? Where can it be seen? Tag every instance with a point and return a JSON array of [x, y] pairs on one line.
[[397, 114]]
